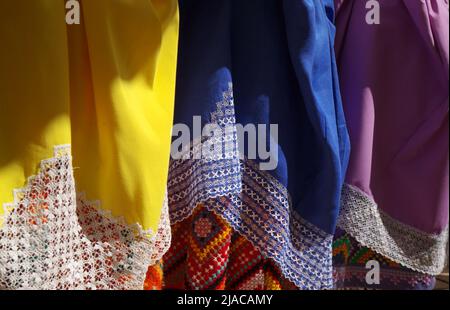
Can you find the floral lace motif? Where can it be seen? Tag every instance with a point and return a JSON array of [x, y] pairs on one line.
[[52, 239], [370, 226], [254, 203]]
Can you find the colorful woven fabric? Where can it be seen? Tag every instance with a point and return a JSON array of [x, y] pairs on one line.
[[350, 259], [206, 254], [154, 278]]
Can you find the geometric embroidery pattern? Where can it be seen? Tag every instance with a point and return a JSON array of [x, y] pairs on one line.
[[225, 260], [350, 258], [252, 202]]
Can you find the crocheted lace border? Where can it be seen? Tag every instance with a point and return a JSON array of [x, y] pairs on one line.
[[53, 238], [253, 202], [406, 245]]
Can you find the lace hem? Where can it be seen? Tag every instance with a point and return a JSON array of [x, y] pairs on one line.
[[261, 213], [253, 202], [52, 238], [370, 226]]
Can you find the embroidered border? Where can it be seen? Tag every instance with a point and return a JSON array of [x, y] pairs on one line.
[[52, 238], [254, 203], [370, 226]]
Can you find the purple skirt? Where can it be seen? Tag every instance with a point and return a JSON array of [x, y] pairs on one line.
[[394, 81]]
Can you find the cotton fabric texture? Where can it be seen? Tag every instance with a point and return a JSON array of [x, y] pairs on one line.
[[394, 83], [264, 62], [85, 123]]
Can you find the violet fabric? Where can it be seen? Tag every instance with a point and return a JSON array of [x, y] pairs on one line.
[[394, 84]]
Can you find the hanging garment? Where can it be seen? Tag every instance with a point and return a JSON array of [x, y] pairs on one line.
[[249, 63], [353, 263], [394, 83], [86, 114]]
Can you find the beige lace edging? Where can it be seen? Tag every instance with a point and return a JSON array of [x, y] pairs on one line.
[[406, 245], [53, 238]]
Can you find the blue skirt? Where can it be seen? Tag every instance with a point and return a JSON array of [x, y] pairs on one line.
[[258, 99]]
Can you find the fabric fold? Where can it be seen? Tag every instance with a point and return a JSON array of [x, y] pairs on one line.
[[86, 116], [248, 66], [396, 105]]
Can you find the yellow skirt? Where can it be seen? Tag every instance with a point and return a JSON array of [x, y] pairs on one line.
[[85, 127]]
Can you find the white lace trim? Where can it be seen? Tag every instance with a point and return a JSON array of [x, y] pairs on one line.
[[253, 202], [370, 226], [52, 238]]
